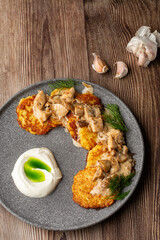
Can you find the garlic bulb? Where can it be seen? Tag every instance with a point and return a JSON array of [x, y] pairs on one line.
[[144, 45], [99, 65], [122, 69]]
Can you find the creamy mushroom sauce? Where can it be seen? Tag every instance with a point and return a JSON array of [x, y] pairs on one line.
[[59, 105]]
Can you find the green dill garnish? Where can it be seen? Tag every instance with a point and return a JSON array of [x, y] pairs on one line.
[[60, 84], [113, 117], [117, 184]]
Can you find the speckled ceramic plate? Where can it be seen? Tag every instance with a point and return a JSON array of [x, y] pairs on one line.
[[57, 211]]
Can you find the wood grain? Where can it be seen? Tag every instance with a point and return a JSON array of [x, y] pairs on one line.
[[42, 39]]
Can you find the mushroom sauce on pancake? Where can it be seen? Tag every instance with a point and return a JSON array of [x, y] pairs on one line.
[[28, 121], [91, 126]]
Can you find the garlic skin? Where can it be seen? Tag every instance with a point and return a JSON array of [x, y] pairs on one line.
[[88, 88], [144, 45], [157, 35], [99, 65], [122, 69]]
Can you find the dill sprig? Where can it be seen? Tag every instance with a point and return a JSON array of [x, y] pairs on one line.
[[113, 117], [61, 84], [117, 184]]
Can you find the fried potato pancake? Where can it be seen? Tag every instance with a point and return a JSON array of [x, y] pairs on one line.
[[95, 154], [55, 92], [71, 126], [81, 188], [27, 120], [88, 98], [87, 138]]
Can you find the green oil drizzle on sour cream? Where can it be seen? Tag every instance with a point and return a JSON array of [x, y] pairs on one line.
[[31, 171]]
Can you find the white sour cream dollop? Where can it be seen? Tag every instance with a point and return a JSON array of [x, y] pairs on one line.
[[36, 189]]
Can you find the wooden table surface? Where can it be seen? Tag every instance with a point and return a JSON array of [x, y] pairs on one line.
[[43, 39]]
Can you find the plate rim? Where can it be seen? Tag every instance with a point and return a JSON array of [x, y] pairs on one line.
[[45, 82]]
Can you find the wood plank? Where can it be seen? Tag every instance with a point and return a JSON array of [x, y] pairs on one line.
[[42, 42]]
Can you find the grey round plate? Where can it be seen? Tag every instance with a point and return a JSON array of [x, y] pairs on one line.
[[57, 211]]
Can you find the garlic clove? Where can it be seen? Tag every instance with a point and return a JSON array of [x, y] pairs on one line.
[[144, 45], [99, 65], [143, 60], [157, 35], [122, 69]]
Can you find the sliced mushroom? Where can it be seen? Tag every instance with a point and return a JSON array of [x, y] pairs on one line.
[[122, 157], [104, 183], [40, 100], [79, 111], [82, 124], [125, 149], [60, 110], [88, 112], [126, 167], [115, 166], [96, 124], [113, 153], [41, 108], [105, 165], [41, 115], [56, 99], [97, 111], [98, 174], [111, 143], [47, 107], [68, 94], [116, 134], [67, 105]]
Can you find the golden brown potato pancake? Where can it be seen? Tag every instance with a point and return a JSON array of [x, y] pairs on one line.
[[56, 92], [87, 138], [88, 98], [81, 188], [27, 120], [71, 126], [95, 154]]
